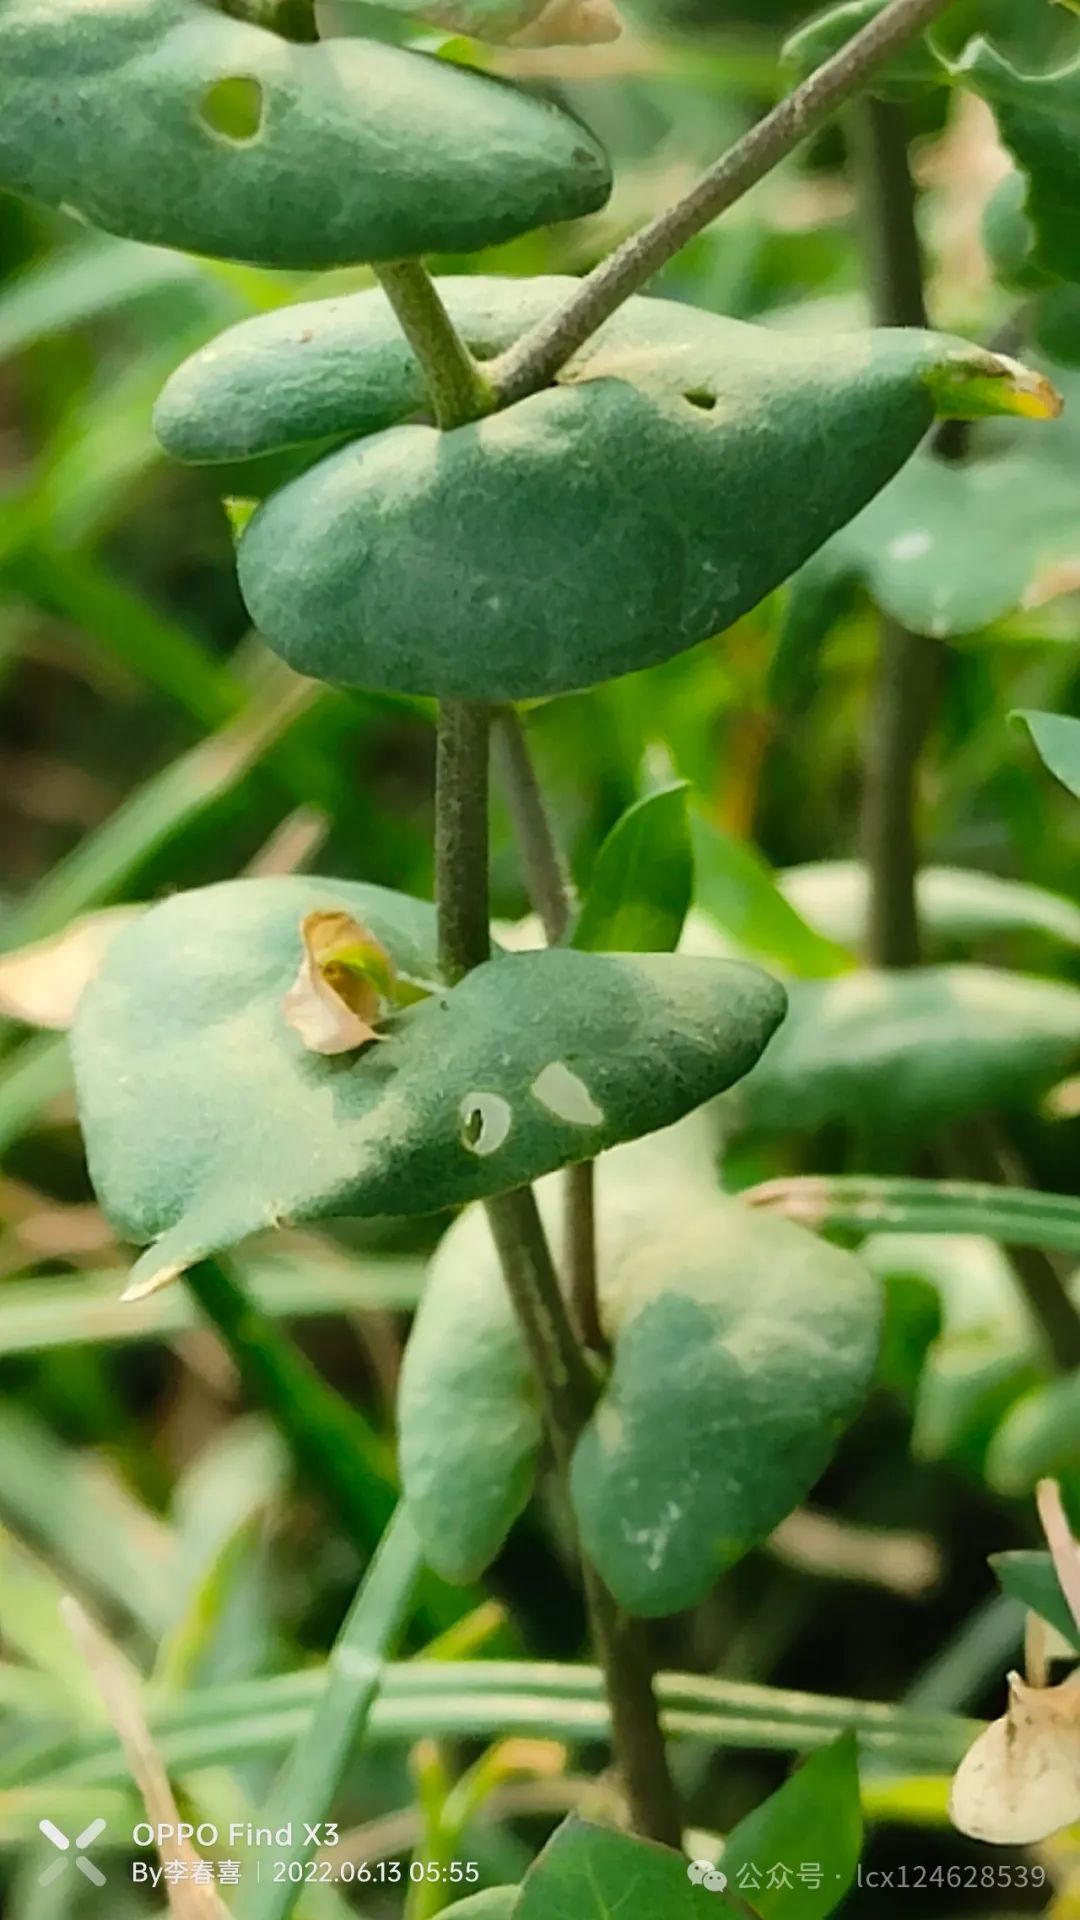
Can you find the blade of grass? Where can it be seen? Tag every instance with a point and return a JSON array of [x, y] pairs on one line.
[[304, 1791], [1015, 1216]]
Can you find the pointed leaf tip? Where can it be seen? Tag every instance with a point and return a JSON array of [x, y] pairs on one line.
[[976, 384]]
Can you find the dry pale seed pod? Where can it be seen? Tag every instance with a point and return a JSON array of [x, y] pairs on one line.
[[1020, 1782]]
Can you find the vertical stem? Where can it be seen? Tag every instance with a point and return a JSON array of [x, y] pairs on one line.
[[907, 675], [550, 891], [461, 836], [561, 1369]]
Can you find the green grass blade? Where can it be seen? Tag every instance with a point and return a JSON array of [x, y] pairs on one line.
[[1015, 1216], [304, 1791]]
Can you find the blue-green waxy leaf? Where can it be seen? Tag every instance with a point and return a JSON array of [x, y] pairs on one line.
[[1016, 504], [642, 881], [167, 121], [795, 1856], [738, 1354], [602, 525], [196, 1092], [898, 1053], [1057, 742], [594, 1873]]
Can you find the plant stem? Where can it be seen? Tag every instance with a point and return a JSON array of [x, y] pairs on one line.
[[546, 877], [563, 1375], [458, 388], [461, 836], [534, 360], [550, 892], [567, 1391], [908, 671]]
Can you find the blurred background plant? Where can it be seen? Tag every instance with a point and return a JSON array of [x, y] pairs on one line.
[[151, 743]]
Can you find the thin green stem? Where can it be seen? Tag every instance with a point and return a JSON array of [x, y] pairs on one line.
[[459, 390], [550, 891], [563, 1375], [535, 359], [907, 676], [461, 836]]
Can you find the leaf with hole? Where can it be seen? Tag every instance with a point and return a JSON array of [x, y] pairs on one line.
[[601, 525], [642, 880], [267, 151], [902, 1054], [796, 1854], [194, 1089]]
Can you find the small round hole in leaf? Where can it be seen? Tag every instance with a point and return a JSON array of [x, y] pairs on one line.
[[701, 397], [233, 108], [486, 1119]]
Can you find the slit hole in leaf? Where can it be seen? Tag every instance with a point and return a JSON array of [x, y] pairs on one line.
[[701, 397], [233, 108]]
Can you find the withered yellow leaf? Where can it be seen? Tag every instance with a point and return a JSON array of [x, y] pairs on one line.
[[344, 987]]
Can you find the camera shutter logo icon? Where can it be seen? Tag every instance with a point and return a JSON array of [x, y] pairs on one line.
[[64, 1845]]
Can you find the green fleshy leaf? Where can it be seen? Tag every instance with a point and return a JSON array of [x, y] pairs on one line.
[[595, 1873], [1037, 113], [597, 527], [732, 1341], [957, 906], [195, 1090], [262, 150], [641, 885], [796, 1855], [743, 1346], [1031, 1578], [736, 890], [1017, 506], [1038, 1439], [1057, 742], [906, 1052]]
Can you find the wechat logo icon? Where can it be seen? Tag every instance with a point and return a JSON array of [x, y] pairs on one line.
[[703, 1874]]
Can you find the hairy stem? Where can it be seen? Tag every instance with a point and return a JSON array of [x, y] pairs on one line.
[[550, 891], [908, 670], [459, 390], [534, 360], [563, 1375]]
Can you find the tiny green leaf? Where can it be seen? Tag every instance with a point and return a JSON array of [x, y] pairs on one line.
[[641, 884], [1039, 1438], [496, 1903], [1057, 742], [594, 1873], [1036, 113], [1031, 1578], [795, 1856], [195, 1090], [262, 150]]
